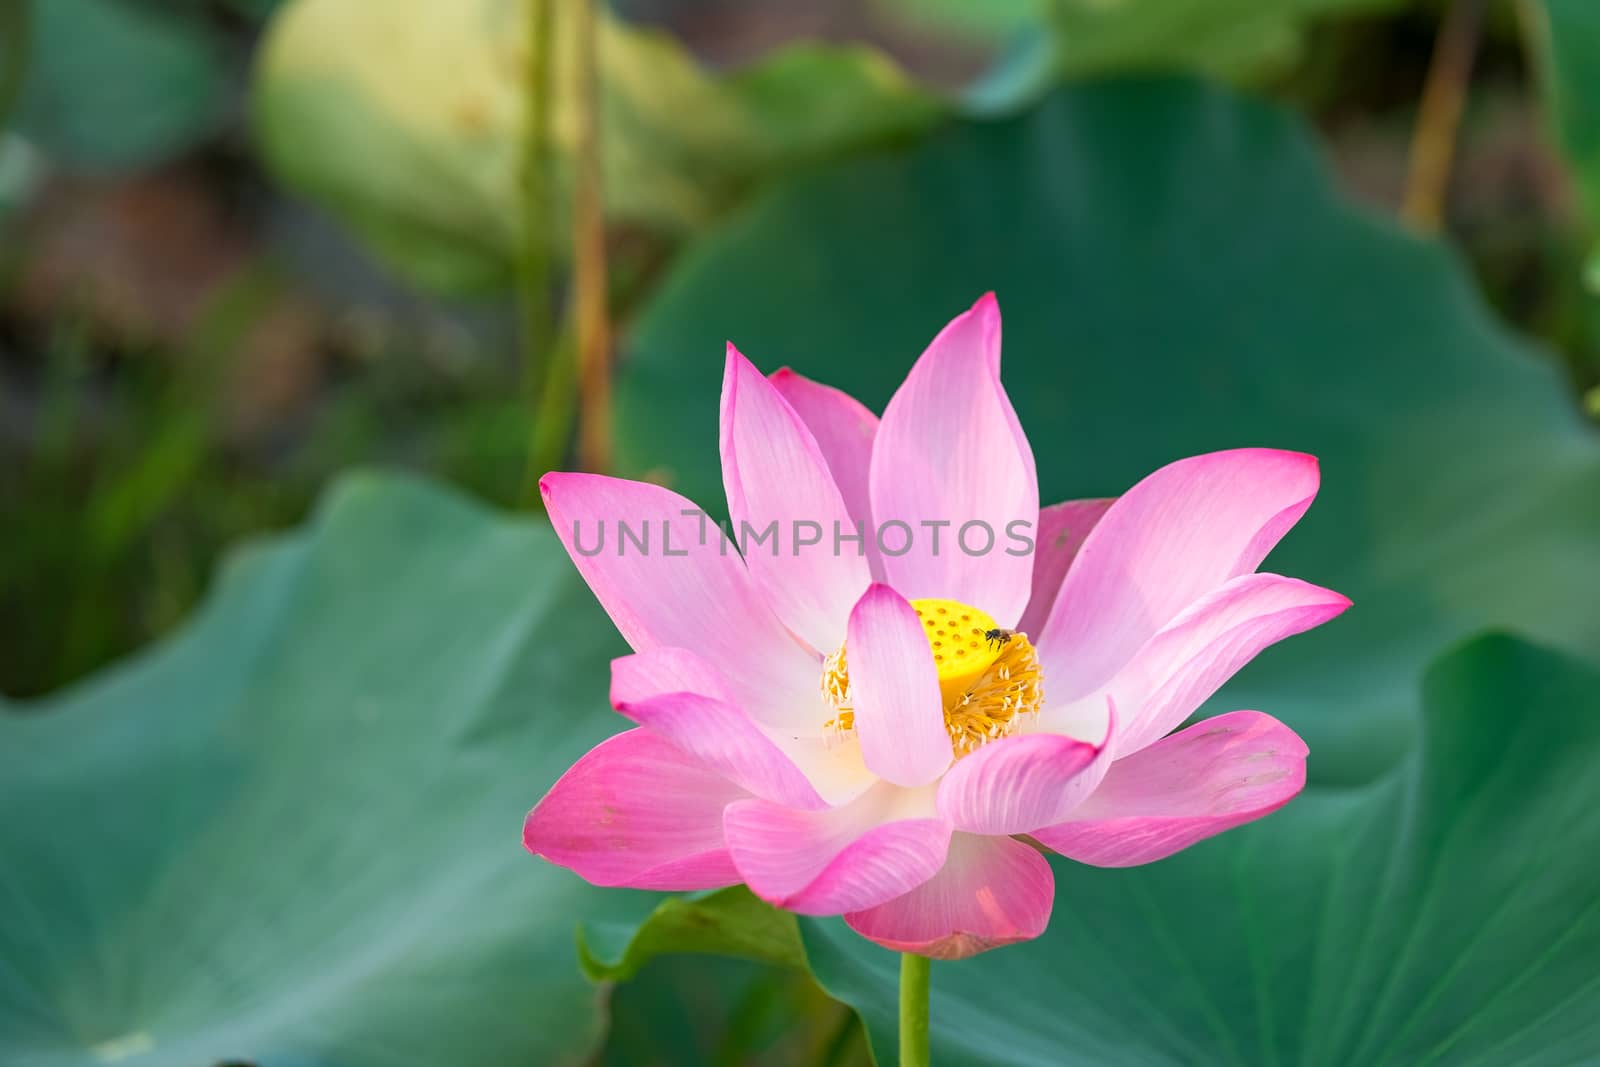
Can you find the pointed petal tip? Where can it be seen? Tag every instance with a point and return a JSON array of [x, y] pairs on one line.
[[738, 375], [1312, 464], [1284, 736], [1206, 779], [551, 481], [876, 596], [737, 365], [1266, 453], [529, 833], [986, 311], [950, 446], [1307, 464], [1331, 602], [537, 833]]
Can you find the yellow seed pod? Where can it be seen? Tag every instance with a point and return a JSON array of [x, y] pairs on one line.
[[956, 634]]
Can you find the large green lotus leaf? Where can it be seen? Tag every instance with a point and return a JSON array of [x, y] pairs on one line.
[[1568, 38], [1447, 914], [289, 836], [1176, 276], [407, 119], [114, 85]]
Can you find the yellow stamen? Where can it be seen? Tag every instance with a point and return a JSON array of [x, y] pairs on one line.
[[988, 677]]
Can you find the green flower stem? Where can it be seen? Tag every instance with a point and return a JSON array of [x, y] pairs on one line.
[[914, 972], [534, 273], [554, 409]]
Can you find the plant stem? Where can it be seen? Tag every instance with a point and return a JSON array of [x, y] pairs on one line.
[[589, 254], [13, 55], [533, 273], [1433, 143], [914, 971], [552, 416]]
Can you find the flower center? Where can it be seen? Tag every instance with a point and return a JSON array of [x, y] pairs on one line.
[[988, 676]]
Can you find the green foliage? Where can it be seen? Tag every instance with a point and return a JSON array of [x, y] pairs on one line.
[[113, 85], [134, 481], [1229, 38], [1241, 40], [290, 835], [1176, 276], [709, 1011], [991, 21], [729, 922], [1569, 42], [414, 137]]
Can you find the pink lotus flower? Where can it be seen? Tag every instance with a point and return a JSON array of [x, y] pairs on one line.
[[893, 732]]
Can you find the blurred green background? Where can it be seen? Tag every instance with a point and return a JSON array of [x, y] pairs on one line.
[[250, 246], [194, 337]]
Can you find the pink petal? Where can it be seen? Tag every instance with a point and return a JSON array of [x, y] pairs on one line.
[[844, 429], [683, 591], [1168, 541], [1017, 784], [636, 812], [775, 473], [828, 862], [991, 891], [1062, 529], [1215, 775], [1179, 668], [949, 450], [833, 766], [894, 685], [680, 697]]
